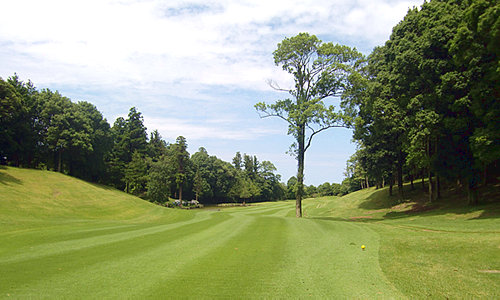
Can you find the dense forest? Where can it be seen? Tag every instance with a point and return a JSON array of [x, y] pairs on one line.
[[428, 103]]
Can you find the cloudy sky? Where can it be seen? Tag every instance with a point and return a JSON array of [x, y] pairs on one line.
[[193, 68]]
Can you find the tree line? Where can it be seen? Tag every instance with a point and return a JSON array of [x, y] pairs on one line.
[[45, 130], [428, 103]]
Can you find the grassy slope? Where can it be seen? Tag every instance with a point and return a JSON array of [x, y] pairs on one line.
[[446, 250], [33, 196], [64, 238]]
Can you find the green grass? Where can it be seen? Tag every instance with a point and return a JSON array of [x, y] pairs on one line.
[[64, 238]]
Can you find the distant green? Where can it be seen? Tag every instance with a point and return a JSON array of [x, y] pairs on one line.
[[61, 237]]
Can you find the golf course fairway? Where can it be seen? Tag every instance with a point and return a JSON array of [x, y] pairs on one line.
[[61, 237]]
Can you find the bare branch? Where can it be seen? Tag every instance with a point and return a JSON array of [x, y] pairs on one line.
[[267, 115], [275, 86], [314, 132]]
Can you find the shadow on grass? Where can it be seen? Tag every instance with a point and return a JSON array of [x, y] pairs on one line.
[[359, 220], [8, 179], [378, 200], [104, 187], [415, 202]]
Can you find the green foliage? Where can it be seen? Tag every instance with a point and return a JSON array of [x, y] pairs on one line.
[[476, 49], [257, 181], [129, 136], [156, 146], [136, 175], [91, 166], [180, 161], [159, 180], [238, 161], [11, 114], [66, 130], [291, 187]]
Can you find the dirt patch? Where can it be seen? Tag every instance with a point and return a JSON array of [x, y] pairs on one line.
[[490, 271], [418, 208], [378, 211], [403, 206], [360, 217]]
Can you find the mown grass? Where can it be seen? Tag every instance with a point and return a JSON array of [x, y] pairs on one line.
[[441, 250], [64, 238]]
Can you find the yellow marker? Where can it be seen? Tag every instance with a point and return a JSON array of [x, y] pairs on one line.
[[363, 247]]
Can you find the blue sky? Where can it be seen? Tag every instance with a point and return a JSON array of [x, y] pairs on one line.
[[193, 68]]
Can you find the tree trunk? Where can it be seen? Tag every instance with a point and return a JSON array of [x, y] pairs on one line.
[[391, 183], [399, 173], [15, 158], [431, 186], [411, 182], [429, 173], [471, 193], [300, 172], [180, 193], [423, 182], [438, 187], [59, 161], [485, 174], [471, 185], [367, 182]]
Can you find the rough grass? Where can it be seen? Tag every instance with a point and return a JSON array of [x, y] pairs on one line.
[[64, 238]]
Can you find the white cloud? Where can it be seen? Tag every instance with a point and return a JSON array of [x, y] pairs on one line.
[[224, 42], [212, 129]]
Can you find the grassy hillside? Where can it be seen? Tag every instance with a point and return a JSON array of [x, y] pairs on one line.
[[64, 238], [43, 196]]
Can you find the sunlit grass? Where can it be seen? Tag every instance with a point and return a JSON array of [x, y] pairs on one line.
[[64, 238]]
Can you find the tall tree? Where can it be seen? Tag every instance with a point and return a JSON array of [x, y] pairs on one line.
[[237, 161], [91, 165], [11, 111], [268, 182], [66, 130], [320, 71], [380, 127], [475, 85], [203, 175], [159, 180], [137, 138], [181, 160], [156, 146], [136, 175], [129, 136], [27, 125]]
